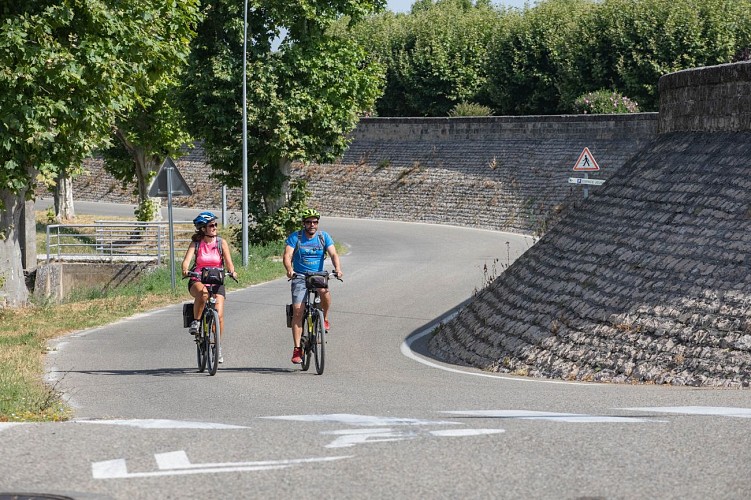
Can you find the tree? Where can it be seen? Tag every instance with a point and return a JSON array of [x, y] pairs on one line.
[[304, 97], [66, 72], [436, 57], [156, 127]]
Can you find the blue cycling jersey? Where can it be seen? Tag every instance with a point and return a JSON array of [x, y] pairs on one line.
[[309, 254]]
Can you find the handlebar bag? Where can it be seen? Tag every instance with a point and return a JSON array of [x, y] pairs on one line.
[[317, 282], [212, 276]]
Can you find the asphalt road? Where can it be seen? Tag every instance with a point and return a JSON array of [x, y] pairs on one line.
[[383, 421]]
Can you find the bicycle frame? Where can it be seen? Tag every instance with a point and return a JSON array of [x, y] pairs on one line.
[[209, 333], [313, 337], [208, 338]]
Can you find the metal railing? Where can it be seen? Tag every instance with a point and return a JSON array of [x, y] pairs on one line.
[[110, 241]]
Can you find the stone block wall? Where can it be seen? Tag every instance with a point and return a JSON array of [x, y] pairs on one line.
[[650, 281], [504, 173], [711, 99]]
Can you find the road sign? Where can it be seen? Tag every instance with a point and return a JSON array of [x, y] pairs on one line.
[[586, 162], [159, 188], [168, 183], [579, 180]]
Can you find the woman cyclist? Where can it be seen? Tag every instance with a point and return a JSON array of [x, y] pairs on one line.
[[210, 251]]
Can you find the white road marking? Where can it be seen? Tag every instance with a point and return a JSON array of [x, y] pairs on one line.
[[720, 411], [544, 415], [162, 424], [361, 420], [466, 432], [352, 437], [177, 464], [406, 349]]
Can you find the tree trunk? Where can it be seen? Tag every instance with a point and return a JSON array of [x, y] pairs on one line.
[[13, 291], [145, 168], [274, 204], [64, 209], [149, 209]]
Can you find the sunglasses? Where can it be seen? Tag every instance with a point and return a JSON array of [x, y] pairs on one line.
[[309, 222], [212, 225]]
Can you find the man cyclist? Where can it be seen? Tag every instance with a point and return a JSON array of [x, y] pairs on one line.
[[305, 251]]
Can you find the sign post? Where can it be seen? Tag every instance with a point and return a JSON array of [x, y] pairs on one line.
[[168, 183], [586, 163]]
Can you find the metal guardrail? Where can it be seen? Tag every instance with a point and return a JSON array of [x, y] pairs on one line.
[[116, 241]]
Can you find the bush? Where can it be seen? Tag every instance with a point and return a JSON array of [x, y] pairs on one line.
[[277, 226], [470, 109], [604, 102]]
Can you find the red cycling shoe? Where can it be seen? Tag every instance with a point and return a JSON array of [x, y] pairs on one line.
[[297, 355]]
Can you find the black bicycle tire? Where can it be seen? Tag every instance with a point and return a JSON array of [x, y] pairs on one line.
[[319, 344], [200, 350], [305, 343], [212, 339]]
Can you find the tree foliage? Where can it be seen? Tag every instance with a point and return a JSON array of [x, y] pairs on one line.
[[304, 96], [436, 57], [67, 70], [155, 128], [539, 59]]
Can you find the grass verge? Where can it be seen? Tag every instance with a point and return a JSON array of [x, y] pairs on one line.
[[24, 332]]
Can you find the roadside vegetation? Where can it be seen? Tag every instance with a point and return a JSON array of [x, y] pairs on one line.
[[548, 57], [24, 332]]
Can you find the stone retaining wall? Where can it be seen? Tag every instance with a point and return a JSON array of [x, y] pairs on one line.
[[505, 173], [649, 280]]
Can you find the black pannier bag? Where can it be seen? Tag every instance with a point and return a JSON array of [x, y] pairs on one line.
[[289, 315], [187, 314]]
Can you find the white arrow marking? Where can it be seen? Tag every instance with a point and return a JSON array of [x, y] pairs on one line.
[[352, 437], [177, 463], [362, 420], [722, 411], [466, 432], [544, 415], [162, 424]]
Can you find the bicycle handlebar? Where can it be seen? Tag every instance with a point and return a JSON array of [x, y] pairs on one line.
[[328, 274], [193, 274]]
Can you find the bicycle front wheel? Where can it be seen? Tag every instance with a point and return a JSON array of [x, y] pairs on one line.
[[319, 342], [201, 349], [212, 341], [305, 340]]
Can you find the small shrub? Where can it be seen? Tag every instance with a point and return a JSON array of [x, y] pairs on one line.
[[470, 109], [277, 226], [604, 102]]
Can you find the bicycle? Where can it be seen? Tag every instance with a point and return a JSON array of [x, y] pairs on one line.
[[209, 332], [313, 338]]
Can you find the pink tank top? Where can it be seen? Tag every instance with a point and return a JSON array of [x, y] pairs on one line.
[[208, 255]]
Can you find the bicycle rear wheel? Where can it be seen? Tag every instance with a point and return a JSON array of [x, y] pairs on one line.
[[319, 342], [212, 341]]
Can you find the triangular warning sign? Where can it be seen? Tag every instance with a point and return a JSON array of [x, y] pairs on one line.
[[158, 187], [586, 162]]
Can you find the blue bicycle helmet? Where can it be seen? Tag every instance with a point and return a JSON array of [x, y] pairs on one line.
[[203, 219]]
